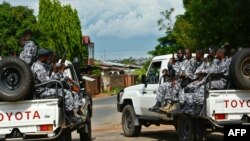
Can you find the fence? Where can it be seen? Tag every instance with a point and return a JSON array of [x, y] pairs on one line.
[[109, 83]]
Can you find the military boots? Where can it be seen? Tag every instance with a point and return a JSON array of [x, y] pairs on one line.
[[156, 107], [179, 107]]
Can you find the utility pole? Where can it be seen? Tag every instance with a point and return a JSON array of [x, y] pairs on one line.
[[104, 55]]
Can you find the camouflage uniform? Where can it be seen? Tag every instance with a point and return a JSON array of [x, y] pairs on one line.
[[61, 77], [219, 67], [196, 93], [167, 92], [198, 96], [188, 69], [188, 92], [42, 75], [28, 53], [162, 90], [177, 67]]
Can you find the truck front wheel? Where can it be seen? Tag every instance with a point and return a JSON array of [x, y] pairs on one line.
[[128, 120]]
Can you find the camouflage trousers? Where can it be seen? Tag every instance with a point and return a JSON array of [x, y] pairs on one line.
[[160, 94], [218, 84], [77, 100], [166, 93], [69, 99], [182, 96], [197, 97]]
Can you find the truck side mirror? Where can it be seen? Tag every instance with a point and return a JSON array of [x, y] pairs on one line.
[[144, 80]]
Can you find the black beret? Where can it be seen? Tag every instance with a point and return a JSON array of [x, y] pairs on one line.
[[43, 51]]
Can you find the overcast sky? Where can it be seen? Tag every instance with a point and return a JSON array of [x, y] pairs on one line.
[[119, 28]]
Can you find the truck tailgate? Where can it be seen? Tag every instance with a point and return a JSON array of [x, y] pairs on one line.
[[228, 105], [28, 115]]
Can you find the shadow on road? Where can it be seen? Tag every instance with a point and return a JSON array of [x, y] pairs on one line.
[[160, 135], [172, 136]]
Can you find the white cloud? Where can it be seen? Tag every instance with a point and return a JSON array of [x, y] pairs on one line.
[[120, 18], [123, 18]]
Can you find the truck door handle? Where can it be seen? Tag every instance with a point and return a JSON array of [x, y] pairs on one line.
[[154, 92]]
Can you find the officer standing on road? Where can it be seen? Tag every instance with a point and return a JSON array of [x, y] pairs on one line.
[[28, 53], [41, 75]]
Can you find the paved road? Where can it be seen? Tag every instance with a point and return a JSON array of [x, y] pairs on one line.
[[106, 126]]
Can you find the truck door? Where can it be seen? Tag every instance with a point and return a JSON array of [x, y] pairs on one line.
[[148, 98]]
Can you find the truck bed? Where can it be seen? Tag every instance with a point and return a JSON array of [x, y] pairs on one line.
[[228, 106], [29, 116]]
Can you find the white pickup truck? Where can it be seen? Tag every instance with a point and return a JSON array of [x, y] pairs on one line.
[[222, 107], [24, 117]]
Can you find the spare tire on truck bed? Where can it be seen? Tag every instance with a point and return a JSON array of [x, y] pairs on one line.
[[16, 79], [240, 69]]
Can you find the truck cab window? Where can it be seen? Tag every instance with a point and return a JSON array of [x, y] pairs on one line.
[[154, 73]]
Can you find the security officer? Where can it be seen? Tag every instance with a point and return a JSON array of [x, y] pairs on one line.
[[190, 67], [160, 94], [42, 75], [28, 53], [183, 72], [58, 74], [171, 94], [210, 59], [167, 94], [177, 64], [192, 87], [221, 67], [175, 68]]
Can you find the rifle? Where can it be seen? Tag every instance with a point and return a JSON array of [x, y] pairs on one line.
[[173, 58], [61, 61]]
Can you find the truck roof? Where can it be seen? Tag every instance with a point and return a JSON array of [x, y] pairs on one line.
[[168, 56], [162, 57]]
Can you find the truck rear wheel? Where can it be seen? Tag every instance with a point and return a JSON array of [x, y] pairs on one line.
[[65, 135], [16, 79], [128, 119], [186, 129]]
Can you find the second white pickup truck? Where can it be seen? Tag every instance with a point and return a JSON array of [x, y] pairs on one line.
[[222, 107]]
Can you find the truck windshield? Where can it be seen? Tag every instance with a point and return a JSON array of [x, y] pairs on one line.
[[154, 73]]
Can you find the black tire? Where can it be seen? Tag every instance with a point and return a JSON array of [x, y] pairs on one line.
[[200, 130], [128, 118], [86, 133], [186, 129], [238, 69], [16, 79], [65, 135]]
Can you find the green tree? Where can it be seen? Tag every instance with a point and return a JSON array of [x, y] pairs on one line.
[[168, 43], [13, 21], [128, 61], [218, 21], [205, 23], [60, 29]]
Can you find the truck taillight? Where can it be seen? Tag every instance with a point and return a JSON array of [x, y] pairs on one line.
[[46, 127], [220, 116]]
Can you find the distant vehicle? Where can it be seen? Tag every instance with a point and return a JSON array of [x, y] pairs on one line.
[[222, 107], [26, 118]]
